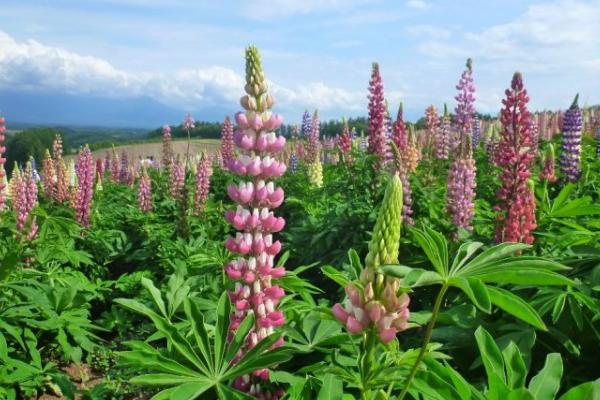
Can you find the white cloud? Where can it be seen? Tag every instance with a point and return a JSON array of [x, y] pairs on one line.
[[32, 66], [418, 4]]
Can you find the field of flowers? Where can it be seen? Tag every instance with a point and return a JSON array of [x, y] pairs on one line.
[[454, 262]]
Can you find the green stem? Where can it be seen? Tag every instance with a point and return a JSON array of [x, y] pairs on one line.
[[367, 360], [426, 339]]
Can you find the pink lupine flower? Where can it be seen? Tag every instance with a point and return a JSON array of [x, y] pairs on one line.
[[188, 122], [461, 187], [177, 179], [516, 218], [85, 189], [124, 169], [345, 143], [254, 270], [432, 125], [227, 141], [115, 167], [2, 161], [203, 174], [377, 140], [547, 172], [145, 192], [167, 147], [61, 194], [442, 141], [24, 199]]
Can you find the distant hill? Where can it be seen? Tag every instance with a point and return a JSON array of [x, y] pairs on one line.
[[54, 108]]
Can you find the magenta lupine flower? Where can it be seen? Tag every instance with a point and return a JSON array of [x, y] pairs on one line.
[[465, 99], [345, 143], [99, 168], [115, 167], [377, 139], [167, 147], [547, 172], [407, 210], [177, 178], [516, 219], [85, 190], [124, 170], [313, 145], [256, 194], [399, 132], [106, 161], [145, 192], [570, 156], [442, 141], [203, 174], [227, 141], [2, 161], [460, 193], [188, 122]]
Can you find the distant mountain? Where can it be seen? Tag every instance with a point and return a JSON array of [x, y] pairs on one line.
[[57, 108]]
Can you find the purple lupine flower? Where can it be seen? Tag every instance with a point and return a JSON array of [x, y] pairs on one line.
[[547, 172], [293, 163], [203, 174], [535, 136], [2, 161], [442, 142], [167, 147], [476, 132], [407, 210], [313, 145], [85, 190], [376, 98], [460, 194], [306, 127], [597, 136], [227, 141], [465, 99], [570, 156], [145, 192], [254, 269]]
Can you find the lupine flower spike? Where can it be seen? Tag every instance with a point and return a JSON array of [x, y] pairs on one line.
[[203, 174], [2, 161], [85, 191], [167, 148], [570, 156], [461, 187], [254, 270], [345, 143], [377, 139], [516, 218], [145, 192], [227, 141], [442, 142], [465, 99], [381, 304], [547, 173]]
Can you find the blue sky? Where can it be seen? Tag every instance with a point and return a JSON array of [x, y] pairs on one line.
[[188, 55]]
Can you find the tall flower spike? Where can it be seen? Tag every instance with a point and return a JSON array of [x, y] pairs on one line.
[[516, 217], [167, 148], [465, 99], [345, 143], [85, 191], [597, 135], [177, 179], [432, 125], [412, 151], [306, 127], [570, 156], [114, 166], [145, 192], [203, 174], [2, 161], [442, 141], [315, 173], [377, 139], [547, 172], [460, 192], [256, 194], [406, 191], [48, 175], [475, 132], [227, 141], [124, 170]]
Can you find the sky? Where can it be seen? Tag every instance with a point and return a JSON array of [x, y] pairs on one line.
[[187, 56]]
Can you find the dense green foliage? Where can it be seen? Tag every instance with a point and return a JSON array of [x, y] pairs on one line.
[[130, 298]]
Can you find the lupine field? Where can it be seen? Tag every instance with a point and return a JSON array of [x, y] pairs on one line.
[[460, 260]]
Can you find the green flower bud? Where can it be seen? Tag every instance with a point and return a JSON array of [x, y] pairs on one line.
[[383, 248]]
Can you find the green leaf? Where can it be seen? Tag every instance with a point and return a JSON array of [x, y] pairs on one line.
[[332, 388], [465, 252], [559, 305], [194, 315], [475, 290], [490, 355], [164, 380], [435, 247], [585, 391], [335, 275], [221, 329], [546, 383], [156, 296], [190, 390], [516, 371], [525, 277], [515, 306]]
